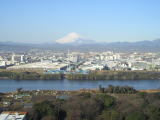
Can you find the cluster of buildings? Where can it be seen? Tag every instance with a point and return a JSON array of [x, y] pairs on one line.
[[80, 61]]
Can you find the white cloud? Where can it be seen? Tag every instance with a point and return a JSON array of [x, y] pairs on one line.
[[71, 37]]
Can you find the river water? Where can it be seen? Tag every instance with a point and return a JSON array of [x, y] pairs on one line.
[[12, 85]]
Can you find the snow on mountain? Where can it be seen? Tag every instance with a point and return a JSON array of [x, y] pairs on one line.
[[74, 38], [69, 38]]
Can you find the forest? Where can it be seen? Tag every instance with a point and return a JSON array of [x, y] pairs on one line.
[[101, 106]]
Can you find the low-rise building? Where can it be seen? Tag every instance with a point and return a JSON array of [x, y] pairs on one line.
[[13, 115]]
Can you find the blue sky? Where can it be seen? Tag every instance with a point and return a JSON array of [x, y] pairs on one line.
[[35, 21]]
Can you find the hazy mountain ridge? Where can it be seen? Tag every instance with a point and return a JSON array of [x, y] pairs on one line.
[[142, 46]]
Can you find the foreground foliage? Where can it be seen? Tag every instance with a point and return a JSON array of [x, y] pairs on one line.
[[100, 106]]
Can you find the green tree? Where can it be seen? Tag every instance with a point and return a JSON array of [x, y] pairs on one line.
[[110, 115], [154, 113], [136, 116], [44, 109]]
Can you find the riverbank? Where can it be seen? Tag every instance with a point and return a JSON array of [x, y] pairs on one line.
[[50, 92], [116, 75], [92, 75], [150, 91]]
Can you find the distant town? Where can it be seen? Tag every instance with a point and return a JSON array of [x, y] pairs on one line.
[[56, 62]]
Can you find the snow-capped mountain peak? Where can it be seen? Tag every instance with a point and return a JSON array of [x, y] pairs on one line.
[[73, 38]]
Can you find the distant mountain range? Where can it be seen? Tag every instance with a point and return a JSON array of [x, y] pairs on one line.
[[85, 45]]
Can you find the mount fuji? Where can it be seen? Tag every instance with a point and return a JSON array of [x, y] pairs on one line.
[[74, 39]]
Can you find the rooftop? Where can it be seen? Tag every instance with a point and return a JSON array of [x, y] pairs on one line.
[[13, 115]]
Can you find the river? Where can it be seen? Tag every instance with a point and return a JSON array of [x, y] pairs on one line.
[[12, 85]]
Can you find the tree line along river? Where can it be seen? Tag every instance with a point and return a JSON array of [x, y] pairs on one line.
[[34, 80]]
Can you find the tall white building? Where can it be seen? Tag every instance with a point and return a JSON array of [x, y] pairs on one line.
[[13, 59], [22, 58]]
